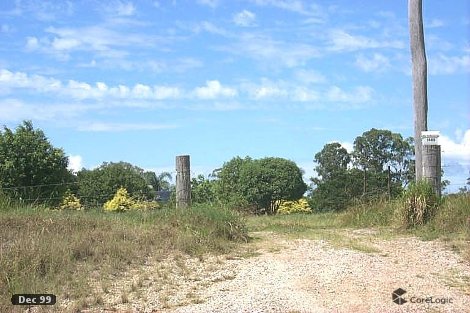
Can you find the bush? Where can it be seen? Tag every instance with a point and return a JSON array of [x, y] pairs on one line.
[[289, 207], [123, 202], [120, 202], [419, 205], [70, 202]]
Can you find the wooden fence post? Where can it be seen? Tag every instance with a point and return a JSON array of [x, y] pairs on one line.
[[183, 181]]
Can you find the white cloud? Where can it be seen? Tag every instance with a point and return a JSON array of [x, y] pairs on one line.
[[445, 65], [456, 150], [125, 9], [83, 90], [118, 127], [434, 23], [210, 28], [309, 76], [274, 52], [32, 43], [244, 18], [340, 40], [75, 163], [296, 6], [214, 89], [377, 63], [14, 110], [360, 94], [209, 3]]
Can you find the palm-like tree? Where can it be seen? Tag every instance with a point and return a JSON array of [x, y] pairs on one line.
[[160, 182]]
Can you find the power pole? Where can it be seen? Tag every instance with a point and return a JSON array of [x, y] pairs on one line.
[[183, 181], [420, 97]]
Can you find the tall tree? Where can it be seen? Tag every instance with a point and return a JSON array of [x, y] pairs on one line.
[[30, 167], [420, 97]]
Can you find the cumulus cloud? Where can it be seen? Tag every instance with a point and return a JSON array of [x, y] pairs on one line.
[[244, 18], [75, 163], [83, 90], [214, 89], [458, 150]]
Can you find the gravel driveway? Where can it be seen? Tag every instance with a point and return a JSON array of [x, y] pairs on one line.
[[300, 275]]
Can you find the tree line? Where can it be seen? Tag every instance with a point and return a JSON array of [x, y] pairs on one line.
[[381, 163]]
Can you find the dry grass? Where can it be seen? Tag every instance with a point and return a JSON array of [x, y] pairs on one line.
[[58, 252]]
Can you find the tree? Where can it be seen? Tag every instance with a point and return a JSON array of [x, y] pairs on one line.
[[377, 149], [420, 98], [336, 185], [332, 159], [158, 183], [97, 186], [30, 167], [203, 190], [343, 177], [261, 183]]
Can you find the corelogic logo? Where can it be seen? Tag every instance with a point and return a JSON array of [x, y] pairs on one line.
[[397, 296]]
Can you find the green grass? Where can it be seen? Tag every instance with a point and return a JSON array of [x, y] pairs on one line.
[[44, 251]]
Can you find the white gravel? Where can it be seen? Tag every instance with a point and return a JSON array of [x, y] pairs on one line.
[[304, 276]]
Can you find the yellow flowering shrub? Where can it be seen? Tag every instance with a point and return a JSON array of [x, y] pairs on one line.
[[289, 207], [70, 202], [122, 201], [146, 205]]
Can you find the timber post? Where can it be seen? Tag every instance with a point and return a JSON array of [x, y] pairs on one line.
[[183, 181], [432, 159]]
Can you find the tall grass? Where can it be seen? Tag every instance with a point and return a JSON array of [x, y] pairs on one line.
[[44, 251]]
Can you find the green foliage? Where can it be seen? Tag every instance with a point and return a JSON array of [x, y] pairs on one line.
[[160, 182], [344, 177], [419, 204], [99, 185], [336, 185], [203, 190], [260, 183], [70, 202], [290, 207], [30, 167]]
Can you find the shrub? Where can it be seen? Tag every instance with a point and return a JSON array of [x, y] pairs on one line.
[[120, 202], [419, 205], [123, 202], [289, 207], [70, 202]]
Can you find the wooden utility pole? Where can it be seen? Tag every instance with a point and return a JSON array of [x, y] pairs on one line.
[[432, 160], [420, 97], [183, 181]]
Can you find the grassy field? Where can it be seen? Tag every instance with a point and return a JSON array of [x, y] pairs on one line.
[[45, 251]]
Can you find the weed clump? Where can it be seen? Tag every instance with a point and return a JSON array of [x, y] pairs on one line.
[[419, 205]]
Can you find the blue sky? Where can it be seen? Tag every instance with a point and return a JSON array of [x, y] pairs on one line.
[[144, 81]]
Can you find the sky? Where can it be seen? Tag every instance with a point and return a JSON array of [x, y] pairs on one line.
[[143, 81]]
